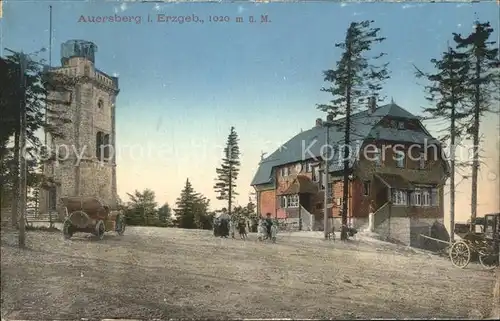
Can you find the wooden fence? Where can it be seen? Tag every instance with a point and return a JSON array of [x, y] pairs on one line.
[[32, 215]]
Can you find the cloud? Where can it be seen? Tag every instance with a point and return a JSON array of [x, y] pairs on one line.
[[157, 7], [459, 25], [343, 4], [460, 5], [241, 9], [123, 6]]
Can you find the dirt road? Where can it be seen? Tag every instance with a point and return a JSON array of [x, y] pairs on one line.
[[159, 273]]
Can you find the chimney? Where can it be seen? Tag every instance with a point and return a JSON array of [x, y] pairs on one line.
[[372, 104], [319, 122]]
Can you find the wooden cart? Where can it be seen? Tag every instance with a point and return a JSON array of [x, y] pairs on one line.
[[90, 215]]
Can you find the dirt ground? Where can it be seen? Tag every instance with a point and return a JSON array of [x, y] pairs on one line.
[[172, 273]]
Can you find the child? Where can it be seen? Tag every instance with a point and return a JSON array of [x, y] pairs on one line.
[[242, 229], [261, 231]]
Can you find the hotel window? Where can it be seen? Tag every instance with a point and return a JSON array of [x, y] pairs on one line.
[[282, 201], [292, 201], [426, 198], [416, 198], [422, 160], [399, 197], [434, 197], [400, 159], [366, 188]]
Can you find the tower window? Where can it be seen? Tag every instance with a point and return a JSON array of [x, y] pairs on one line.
[[86, 71], [99, 140], [106, 147], [100, 104]]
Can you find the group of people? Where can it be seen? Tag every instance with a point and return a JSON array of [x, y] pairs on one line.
[[225, 227]]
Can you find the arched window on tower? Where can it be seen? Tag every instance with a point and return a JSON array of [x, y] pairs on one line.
[[98, 143], [106, 147], [100, 104]]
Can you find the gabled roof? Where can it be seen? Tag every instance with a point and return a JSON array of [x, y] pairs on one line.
[[307, 144]]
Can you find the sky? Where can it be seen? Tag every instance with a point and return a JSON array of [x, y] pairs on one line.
[[184, 85]]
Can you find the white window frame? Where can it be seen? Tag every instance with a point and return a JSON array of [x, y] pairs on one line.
[[421, 160], [400, 159], [283, 201], [292, 201], [399, 197], [426, 198], [416, 197], [309, 167]]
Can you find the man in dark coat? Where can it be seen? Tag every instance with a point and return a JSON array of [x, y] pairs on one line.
[[269, 224]]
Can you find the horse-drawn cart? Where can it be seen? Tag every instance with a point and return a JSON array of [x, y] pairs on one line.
[[483, 244], [90, 215]]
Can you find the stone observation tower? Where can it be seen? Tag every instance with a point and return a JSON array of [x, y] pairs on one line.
[[86, 144]]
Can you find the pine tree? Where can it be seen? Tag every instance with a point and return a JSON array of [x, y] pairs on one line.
[[202, 218], [354, 81], [448, 93], [165, 214], [227, 174], [185, 211], [142, 208], [484, 81]]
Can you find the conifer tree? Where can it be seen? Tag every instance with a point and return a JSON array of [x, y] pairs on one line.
[[448, 93], [484, 80], [185, 207], [354, 80], [227, 173]]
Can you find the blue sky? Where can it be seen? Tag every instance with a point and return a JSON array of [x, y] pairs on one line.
[[184, 85]]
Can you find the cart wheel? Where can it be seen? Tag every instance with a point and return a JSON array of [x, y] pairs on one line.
[[460, 254], [100, 229], [120, 225], [488, 261], [67, 230]]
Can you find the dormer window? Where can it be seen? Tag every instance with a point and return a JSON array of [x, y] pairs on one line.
[[401, 125], [100, 104]]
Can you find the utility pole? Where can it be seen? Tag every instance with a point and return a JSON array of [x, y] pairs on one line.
[[327, 124]]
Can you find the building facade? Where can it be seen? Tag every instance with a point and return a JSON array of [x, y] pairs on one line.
[[86, 160], [396, 171]]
